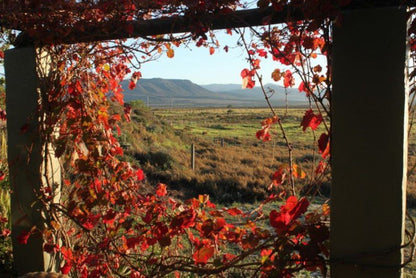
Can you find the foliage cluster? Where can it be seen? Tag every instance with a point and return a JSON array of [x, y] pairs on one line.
[[104, 224]]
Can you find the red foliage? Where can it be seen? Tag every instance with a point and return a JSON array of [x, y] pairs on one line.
[[311, 120], [23, 237], [323, 145], [110, 224], [289, 212]]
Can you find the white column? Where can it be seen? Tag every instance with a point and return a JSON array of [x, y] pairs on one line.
[[369, 143], [25, 158]]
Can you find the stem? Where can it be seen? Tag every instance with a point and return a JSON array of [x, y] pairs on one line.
[[279, 121]]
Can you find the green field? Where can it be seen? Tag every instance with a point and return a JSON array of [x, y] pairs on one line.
[[238, 170], [232, 165]]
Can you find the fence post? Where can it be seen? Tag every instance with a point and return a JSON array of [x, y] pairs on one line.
[[193, 157], [222, 142]]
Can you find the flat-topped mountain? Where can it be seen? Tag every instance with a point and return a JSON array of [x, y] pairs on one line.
[[184, 93]]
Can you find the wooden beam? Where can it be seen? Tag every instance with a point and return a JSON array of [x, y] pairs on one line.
[[183, 24]]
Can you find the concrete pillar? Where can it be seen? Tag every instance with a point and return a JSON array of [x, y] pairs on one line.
[[369, 143], [25, 156]]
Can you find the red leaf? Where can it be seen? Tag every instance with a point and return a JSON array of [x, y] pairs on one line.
[[132, 85], [23, 237], [279, 176], [5, 233], [136, 274], [66, 253], [203, 254], [289, 212], [248, 83], [134, 78], [140, 175], [244, 73], [311, 120], [109, 217], [50, 248], [228, 257], [184, 220], [161, 190], [288, 80], [263, 134], [211, 50], [127, 112], [234, 211], [324, 145], [66, 268]]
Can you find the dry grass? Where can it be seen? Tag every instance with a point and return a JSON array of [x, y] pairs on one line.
[[237, 168]]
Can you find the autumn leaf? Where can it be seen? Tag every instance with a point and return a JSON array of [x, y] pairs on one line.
[[248, 83], [311, 120], [132, 85], [50, 248], [66, 268], [323, 145], [279, 176], [234, 211], [161, 190], [183, 220], [211, 50], [288, 80], [302, 87], [109, 217], [228, 257], [289, 212], [317, 68], [140, 175], [133, 79], [297, 172], [23, 237], [245, 72], [127, 111], [203, 254], [170, 53], [263, 134], [276, 75], [265, 255]]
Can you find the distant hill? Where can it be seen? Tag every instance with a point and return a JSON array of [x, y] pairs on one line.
[[177, 92], [279, 93]]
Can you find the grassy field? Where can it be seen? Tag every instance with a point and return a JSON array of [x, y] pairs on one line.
[[237, 127], [232, 165]]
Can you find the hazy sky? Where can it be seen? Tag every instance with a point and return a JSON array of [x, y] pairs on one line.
[[197, 65]]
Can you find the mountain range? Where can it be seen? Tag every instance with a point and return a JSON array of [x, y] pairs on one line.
[[158, 92]]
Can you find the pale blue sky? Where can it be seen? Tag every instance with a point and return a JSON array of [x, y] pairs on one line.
[[197, 65]]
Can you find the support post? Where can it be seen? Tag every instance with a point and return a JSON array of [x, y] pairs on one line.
[[28, 172], [193, 157], [369, 143]]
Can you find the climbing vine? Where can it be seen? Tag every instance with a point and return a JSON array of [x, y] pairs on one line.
[[104, 224]]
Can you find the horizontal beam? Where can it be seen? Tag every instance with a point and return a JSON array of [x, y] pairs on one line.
[[183, 24]]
